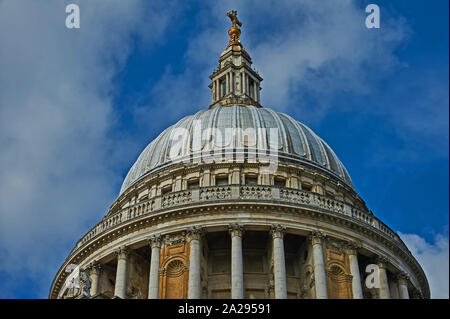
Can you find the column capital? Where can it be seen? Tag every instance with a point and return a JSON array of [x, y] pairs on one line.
[[235, 230], [277, 231], [382, 261], [122, 252], [402, 278], [194, 285], [95, 268], [194, 233], [316, 237], [351, 248], [417, 294], [155, 241]]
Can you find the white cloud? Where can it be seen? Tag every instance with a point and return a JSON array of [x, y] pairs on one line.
[[434, 259], [56, 114], [423, 121], [308, 52], [57, 154]]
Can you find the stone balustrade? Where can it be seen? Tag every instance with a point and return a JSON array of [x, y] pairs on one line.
[[215, 193], [295, 196], [227, 193]]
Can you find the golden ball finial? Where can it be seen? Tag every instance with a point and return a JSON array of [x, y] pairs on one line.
[[234, 32]]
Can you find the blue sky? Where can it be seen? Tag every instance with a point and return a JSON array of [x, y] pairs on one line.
[[78, 106]]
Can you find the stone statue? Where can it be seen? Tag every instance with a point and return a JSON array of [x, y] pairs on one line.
[[234, 32], [85, 284], [233, 17]]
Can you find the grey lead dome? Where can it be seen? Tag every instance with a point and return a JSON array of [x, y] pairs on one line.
[[296, 141]]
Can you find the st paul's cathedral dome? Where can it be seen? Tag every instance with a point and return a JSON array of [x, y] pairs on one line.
[[239, 201]]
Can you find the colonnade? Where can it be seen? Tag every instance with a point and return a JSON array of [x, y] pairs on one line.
[[398, 288], [230, 83]]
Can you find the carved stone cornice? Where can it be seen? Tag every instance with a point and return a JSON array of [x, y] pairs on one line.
[[277, 231], [155, 241], [235, 230]]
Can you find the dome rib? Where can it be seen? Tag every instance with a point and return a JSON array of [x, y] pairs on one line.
[[295, 139]]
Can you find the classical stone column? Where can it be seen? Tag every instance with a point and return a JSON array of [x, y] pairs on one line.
[[279, 263], [241, 83], [320, 277], [219, 90], [383, 280], [120, 288], [194, 290], [393, 289], [178, 184], [402, 280], [247, 85], [235, 176], [232, 82], [206, 178], [94, 272], [237, 272], [245, 82], [153, 278], [352, 252]]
